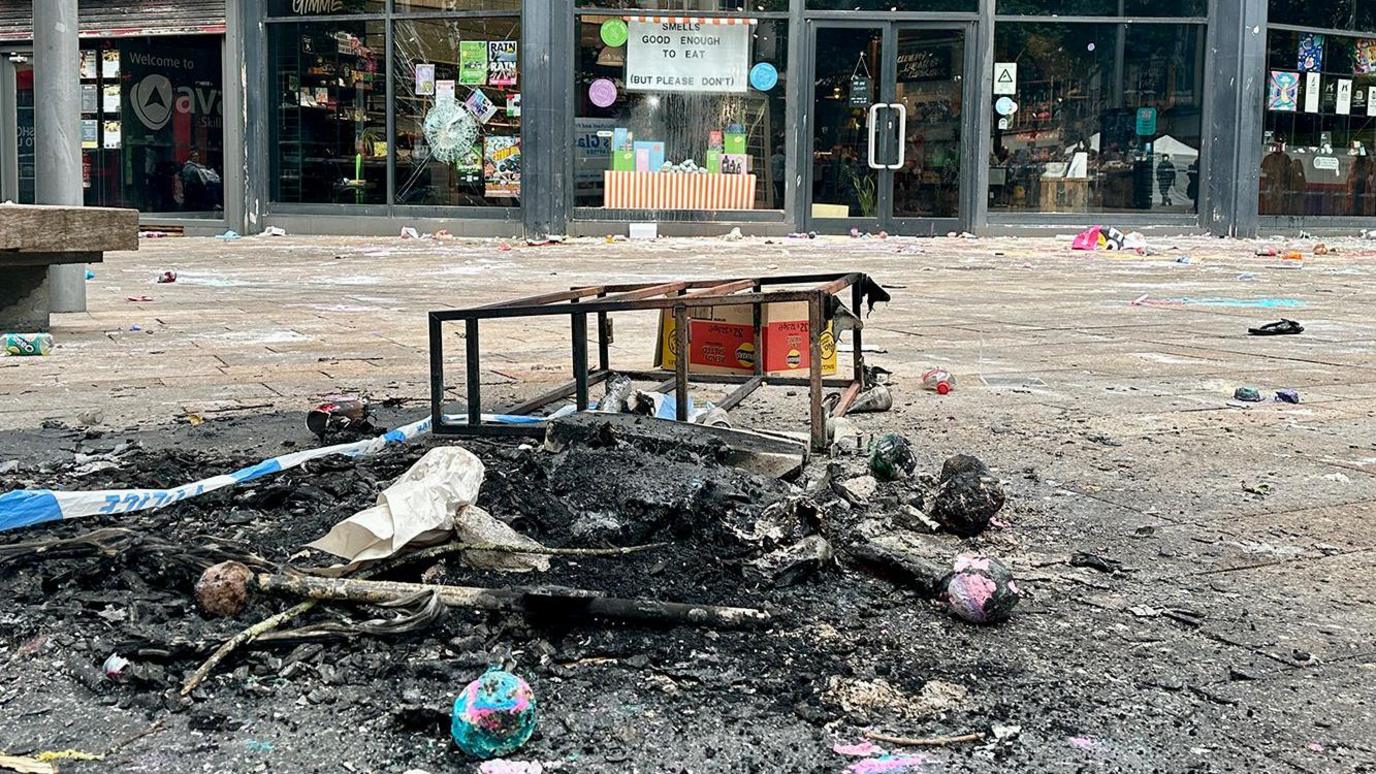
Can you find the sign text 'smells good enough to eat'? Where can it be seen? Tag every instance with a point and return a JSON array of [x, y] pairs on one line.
[[688, 57]]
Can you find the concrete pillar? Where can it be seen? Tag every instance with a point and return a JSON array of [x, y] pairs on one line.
[[57, 128], [1237, 32]]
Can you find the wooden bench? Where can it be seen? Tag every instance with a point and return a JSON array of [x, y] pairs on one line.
[[34, 237]]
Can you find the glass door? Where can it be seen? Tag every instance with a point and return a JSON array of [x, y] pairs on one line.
[[887, 124], [16, 129]]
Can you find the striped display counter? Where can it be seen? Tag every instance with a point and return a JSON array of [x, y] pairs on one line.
[[674, 191]]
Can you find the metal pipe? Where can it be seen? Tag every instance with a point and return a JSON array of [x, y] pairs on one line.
[[57, 131], [436, 371], [857, 300]]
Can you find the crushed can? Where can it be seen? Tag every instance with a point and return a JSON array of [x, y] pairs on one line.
[[167, 277], [338, 414], [26, 344]]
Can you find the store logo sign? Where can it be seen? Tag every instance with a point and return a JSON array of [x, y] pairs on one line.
[[152, 100], [316, 6]]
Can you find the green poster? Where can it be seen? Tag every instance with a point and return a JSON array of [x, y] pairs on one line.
[[473, 62]]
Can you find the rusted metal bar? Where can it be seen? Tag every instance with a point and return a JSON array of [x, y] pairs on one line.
[[636, 305], [847, 398], [857, 299], [814, 336], [546, 398], [837, 285], [757, 314], [727, 288], [769, 381], [681, 363], [471, 370], [547, 298], [653, 290], [580, 361], [436, 371], [740, 393]]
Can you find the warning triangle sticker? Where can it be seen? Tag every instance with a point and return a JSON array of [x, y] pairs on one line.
[[1005, 76]]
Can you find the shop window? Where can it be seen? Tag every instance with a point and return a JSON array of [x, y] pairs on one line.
[[682, 114], [1334, 14], [1097, 118], [458, 111], [308, 8], [1320, 126], [420, 6], [1198, 8], [696, 6], [152, 124], [329, 129], [969, 6]]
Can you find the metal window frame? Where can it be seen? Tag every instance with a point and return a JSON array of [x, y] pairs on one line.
[[1010, 219], [677, 298], [388, 16]]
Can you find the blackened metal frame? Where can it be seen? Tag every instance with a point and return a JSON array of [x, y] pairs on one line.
[[678, 298]]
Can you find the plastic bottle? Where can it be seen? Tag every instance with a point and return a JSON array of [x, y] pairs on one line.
[[939, 380]]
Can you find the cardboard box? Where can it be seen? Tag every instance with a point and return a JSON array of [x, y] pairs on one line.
[[722, 341]]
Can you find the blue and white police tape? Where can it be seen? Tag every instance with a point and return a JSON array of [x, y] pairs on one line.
[[26, 507]]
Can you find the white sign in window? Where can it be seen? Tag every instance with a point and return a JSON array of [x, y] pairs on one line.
[[688, 55]]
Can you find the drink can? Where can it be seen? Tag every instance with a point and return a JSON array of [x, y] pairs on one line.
[[26, 344]]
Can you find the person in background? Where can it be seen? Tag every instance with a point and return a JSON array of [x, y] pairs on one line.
[[1165, 178]]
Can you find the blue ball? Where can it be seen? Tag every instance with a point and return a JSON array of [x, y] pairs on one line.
[[494, 715]]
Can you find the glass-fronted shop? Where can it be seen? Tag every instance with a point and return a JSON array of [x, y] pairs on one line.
[[151, 103], [503, 117]]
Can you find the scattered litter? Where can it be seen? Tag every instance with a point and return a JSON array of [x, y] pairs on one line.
[[858, 750], [1283, 327], [274, 231], [891, 457], [787, 566], [1184, 259], [500, 766], [1106, 238], [734, 235], [494, 716], [48, 756], [1235, 303], [1005, 732], [887, 764], [643, 231], [90, 275], [857, 696], [135, 328], [115, 666], [1247, 394], [981, 590], [26, 344], [1246, 276], [1287, 396], [968, 497], [1257, 489], [222, 590], [431, 503], [256, 746], [141, 299], [408, 232], [339, 414], [228, 236], [939, 380], [1083, 742], [153, 234], [24, 765], [1323, 249], [875, 399], [167, 278]]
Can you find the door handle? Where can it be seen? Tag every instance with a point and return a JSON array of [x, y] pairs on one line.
[[902, 134], [874, 135]]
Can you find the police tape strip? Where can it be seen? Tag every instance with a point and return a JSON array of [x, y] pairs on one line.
[[26, 507]]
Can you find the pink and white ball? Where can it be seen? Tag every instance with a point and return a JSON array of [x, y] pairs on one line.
[[981, 590]]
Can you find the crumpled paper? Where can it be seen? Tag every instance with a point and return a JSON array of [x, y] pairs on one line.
[[431, 503]]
